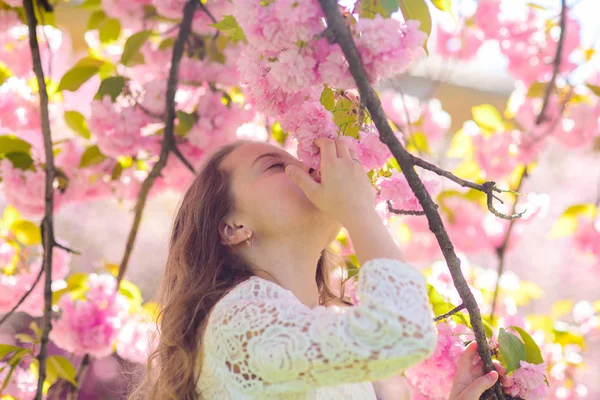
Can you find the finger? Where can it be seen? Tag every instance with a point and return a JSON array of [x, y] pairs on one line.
[[499, 367], [308, 185], [327, 149], [476, 389], [342, 148], [465, 361]]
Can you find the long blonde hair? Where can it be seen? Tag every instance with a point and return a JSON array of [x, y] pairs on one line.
[[199, 272]]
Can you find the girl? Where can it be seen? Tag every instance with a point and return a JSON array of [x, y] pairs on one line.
[[246, 307]]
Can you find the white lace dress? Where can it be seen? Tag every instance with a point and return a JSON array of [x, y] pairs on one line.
[[261, 342]]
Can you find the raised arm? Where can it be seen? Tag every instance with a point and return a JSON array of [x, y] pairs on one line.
[[276, 345]]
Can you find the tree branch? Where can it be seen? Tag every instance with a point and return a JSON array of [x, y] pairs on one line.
[[405, 160], [168, 143], [557, 61], [449, 313], [83, 367], [488, 187], [12, 311], [404, 212], [47, 227], [501, 251]]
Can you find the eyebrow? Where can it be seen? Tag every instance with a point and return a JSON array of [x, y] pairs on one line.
[[269, 154]]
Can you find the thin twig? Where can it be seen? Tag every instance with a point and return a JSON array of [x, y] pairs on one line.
[[47, 226], [82, 370], [168, 135], [345, 39], [403, 212], [488, 187], [449, 313], [557, 61], [182, 158], [501, 251], [12, 311]]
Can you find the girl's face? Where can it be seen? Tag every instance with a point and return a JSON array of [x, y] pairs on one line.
[[267, 201]]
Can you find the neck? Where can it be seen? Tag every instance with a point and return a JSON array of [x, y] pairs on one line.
[[290, 265]]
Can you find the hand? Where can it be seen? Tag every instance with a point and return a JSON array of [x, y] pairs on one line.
[[470, 381], [345, 190]]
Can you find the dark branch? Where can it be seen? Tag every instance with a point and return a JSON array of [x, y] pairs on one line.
[[12, 311], [168, 143], [60, 246], [449, 313], [47, 227], [488, 187], [182, 158], [344, 37], [557, 61], [403, 212], [83, 367]]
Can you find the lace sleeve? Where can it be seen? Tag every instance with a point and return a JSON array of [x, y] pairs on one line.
[[279, 345]]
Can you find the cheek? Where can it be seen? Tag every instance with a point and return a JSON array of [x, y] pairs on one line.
[[282, 199]]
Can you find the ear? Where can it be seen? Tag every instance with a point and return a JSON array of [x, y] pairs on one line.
[[232, 234]]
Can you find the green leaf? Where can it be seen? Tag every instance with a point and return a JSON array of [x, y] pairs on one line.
[[109, 30], [25, 338], [76, 122], [230, 27], [20, 160], [512, 350], [487, 117], [595, 89], [133, 45], [112, 86], [27, 232], [443, 5], [390, 6], [533, 354], [76, 76], [278, 133], [167, 43], [567, 223], [11, 143], [561, 307], [536, 89], [418, 142], [185, 122], [96, 19], [418, 10], [91, 156], [64, 368], [328, 98], [6, 349], [131, 291]]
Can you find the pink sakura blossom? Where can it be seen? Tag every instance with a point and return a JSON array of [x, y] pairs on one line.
[[91, 325], [462, 45], [155, 96], [193, 70], [14, 286], [133, 343], [294, 69], [309, 122], [14, 3], [421, 244], [260, 90], [8, 20], [19, 109], [217, 123], [579, 126], [339, 281], [281, 24], [25, 189], [371, 152], [587, 238], [471, 229], [388, 46], [169, 8], [23, 381], [527, 382], [487, 17], [401, 109], [118, 128], [130, 14], [176, 175], [495, 154], [433, 377], [436, 121], [334, 69], [397, 190]]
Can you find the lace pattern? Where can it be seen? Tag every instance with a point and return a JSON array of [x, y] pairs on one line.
[[262, 342]]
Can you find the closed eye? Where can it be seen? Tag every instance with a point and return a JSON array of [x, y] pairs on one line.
[[278, 164]]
